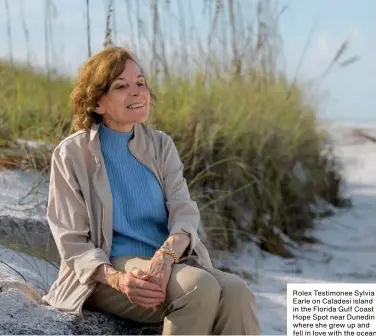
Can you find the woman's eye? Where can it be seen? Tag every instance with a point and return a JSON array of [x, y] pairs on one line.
[[140, 84], [122, 86]]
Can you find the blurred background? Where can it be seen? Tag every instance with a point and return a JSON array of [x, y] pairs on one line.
[[305, 35], [271, 104]]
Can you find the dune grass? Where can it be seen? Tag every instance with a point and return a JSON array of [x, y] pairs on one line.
[[32, 103], [253, 155], [255, 158]]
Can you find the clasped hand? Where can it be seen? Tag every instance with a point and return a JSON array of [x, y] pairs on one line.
[[147, 288]]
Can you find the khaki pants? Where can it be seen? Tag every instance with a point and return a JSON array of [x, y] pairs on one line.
[[199, 302]]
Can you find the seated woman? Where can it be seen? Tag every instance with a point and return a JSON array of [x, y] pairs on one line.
[[121, 215]]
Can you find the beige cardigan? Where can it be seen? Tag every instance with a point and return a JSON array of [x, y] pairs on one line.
[[79, 208]]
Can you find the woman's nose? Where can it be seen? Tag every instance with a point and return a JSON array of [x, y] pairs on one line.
[[135, 90]]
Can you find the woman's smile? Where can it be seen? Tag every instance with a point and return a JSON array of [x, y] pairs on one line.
[[135, 105]]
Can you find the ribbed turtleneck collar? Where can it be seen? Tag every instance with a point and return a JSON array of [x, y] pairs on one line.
[[114, 136]]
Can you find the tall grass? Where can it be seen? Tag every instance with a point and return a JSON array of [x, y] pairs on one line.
[[253, 152], [253, 157], [26, 109]]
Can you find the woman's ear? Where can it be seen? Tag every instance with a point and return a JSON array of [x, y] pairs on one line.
[[100, 108]]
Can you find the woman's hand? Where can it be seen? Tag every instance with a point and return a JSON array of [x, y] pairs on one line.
[[159, 270], [160, 265], [137, 287]]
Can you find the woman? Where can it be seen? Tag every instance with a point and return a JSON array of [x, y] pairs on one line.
[[120, 212]]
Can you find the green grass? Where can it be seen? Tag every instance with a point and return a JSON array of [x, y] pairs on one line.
[[239, 140], [33, 105]]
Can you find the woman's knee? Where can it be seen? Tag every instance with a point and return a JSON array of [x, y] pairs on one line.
[[195, 280], [207, 283], [236, 289]]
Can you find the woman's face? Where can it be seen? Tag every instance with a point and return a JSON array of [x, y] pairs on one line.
[[127, 101]]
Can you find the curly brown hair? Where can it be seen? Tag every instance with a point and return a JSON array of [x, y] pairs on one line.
[[94, 80]]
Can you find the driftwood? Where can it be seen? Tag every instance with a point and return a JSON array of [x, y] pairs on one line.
[[364, 134], [26, 155]]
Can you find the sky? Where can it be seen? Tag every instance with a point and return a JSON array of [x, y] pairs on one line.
[[311, 33]]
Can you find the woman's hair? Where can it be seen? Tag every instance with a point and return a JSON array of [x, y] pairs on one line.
[[94, 80]]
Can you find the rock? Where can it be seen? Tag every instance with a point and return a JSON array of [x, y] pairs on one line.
[[23, 222], [31, 235], [27, 289], [23, 316], [23, 281]]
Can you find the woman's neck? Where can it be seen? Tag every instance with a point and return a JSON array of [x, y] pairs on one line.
[[118, 127]]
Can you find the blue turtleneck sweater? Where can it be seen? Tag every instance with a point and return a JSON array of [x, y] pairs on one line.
[[139, 213]]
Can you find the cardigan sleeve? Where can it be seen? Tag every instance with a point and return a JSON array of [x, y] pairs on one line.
[[69, 222]]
